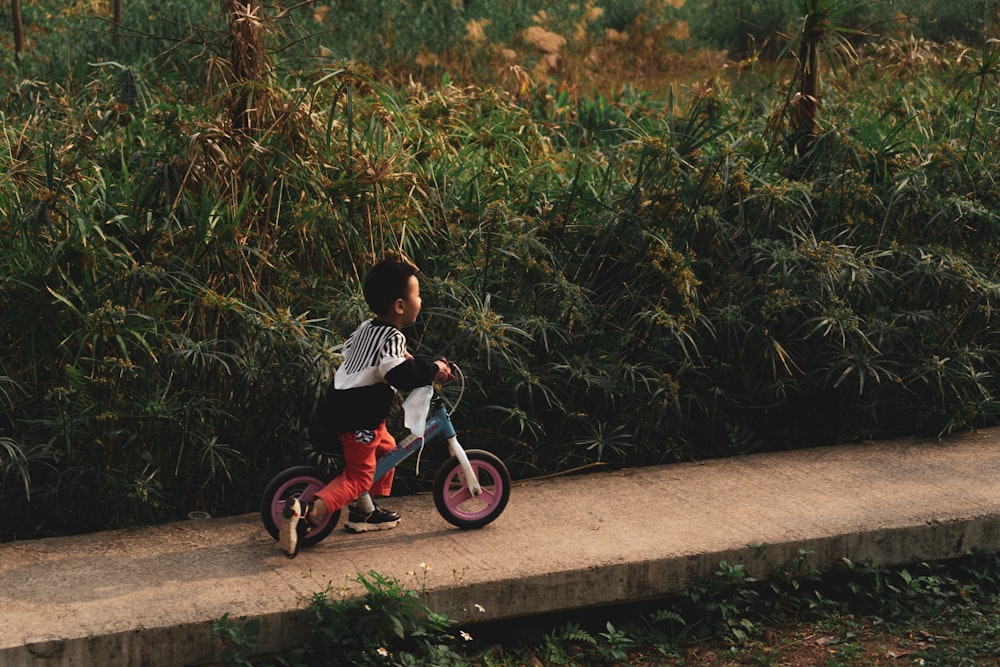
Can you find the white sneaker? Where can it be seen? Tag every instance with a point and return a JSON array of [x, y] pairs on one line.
[[288, 533]]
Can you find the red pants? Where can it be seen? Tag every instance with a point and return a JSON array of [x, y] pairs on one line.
[[362, 449]]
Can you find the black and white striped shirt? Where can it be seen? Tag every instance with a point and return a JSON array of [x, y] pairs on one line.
[[374, 349], [375, 364]]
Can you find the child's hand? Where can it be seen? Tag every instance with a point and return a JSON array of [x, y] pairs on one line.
[[444, 373]]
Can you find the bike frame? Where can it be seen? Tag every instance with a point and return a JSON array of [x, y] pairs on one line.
[[439, 423]]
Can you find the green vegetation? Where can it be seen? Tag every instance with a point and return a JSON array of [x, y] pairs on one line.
[[190, 198], [943, 613], [388, 625]]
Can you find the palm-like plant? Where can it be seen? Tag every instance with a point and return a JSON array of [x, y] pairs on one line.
[[623, 281]]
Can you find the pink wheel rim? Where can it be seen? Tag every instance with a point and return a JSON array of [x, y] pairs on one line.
[[460, 501], [304, 487]]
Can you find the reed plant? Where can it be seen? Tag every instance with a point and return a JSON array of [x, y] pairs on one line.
[[625, 278]]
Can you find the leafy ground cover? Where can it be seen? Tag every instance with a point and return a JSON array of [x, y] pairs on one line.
[[942, 614]]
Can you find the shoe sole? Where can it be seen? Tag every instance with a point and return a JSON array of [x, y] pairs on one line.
[[359, 527], [288, 536]]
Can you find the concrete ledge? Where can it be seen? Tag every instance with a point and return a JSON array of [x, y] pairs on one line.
[[635, 581], [149, 596]]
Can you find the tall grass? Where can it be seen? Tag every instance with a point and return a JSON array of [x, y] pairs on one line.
[[626, 279]]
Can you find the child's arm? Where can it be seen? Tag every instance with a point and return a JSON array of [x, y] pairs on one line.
[[414, 373]]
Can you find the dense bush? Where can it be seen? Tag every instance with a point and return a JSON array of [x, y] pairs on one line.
[[625, 278], [745, 28]]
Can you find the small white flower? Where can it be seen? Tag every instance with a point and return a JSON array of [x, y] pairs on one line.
[[465, 635], [381, 650], [480, 608]]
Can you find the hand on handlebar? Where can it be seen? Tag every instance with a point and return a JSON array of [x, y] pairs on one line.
[[444, 373]]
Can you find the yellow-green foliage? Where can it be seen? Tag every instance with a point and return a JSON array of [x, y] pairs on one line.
[[626, 277]]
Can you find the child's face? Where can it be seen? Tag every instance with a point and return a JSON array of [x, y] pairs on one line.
[[407, 308]]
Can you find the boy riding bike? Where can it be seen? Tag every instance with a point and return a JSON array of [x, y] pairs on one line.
[[375, 364]]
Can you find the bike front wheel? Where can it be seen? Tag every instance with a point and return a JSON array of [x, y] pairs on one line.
[[456, 503], [301, 482]]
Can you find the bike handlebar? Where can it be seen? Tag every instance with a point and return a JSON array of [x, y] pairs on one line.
[[455, 374], [446, 375]]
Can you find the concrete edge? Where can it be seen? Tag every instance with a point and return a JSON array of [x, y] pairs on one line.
[[193, 643], [636, 581]]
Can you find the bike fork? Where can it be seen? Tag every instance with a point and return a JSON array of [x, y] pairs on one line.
[[471, 480]]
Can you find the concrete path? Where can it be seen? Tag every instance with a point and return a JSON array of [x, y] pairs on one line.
[[148, 596]]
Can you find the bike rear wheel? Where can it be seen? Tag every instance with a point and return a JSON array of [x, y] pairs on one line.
[[455, 502], [301, 482]]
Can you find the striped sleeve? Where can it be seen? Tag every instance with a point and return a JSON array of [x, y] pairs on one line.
[[393, 352], [372, 350]]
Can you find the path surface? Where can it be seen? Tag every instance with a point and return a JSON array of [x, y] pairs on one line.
[[148, 596]]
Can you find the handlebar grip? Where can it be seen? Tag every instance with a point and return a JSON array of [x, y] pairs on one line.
[[443, 376]]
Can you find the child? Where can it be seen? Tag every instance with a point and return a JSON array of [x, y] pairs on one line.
[[375, 364]]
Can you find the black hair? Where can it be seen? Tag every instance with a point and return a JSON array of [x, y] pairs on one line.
[[387, 281]]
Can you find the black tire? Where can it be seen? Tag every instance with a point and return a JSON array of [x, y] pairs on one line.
[[451, 495], [303, 482]]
